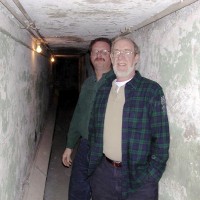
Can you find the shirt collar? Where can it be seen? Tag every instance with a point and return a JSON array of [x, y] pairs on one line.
[[119, 84]]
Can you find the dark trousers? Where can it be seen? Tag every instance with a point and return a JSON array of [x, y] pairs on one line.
[[79, 187], [106, 185]]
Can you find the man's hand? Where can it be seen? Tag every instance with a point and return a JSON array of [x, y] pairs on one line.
[[66, 157]]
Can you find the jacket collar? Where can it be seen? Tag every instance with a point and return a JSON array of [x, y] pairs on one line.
[[135, 80]]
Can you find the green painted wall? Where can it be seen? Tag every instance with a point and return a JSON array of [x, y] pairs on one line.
[[170, 55], [24, 96]]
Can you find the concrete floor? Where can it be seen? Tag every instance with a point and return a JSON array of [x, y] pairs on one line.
[[58, 175]]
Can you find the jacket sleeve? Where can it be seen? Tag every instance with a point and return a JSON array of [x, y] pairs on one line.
[[160, 135], [74, 132], [75, 128]]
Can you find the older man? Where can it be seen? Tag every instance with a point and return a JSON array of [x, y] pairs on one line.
[[129, 132]]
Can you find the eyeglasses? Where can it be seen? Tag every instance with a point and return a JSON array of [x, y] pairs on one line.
[[103, 52], [126, 53]]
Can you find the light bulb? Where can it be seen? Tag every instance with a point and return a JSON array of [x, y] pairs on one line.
[[39, 49], [52, 59]]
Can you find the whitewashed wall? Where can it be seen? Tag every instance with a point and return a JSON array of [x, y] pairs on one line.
[[23, 104], [170, 55]]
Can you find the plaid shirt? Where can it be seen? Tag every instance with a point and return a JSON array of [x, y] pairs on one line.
[[145, 132]]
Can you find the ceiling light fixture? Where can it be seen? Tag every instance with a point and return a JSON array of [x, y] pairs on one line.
[[52, 59], [38, 48]]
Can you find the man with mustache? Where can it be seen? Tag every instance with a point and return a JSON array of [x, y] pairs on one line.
[[128, 131], [79, 188]]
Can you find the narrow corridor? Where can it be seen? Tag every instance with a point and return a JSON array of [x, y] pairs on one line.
[[58, 175]]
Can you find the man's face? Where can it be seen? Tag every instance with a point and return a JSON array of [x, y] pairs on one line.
[[100, 56], [124, 59]]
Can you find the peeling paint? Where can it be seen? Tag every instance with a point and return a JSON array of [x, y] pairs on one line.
[[89, 19]]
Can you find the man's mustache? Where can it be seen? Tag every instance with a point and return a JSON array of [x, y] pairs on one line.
[[99, 59]]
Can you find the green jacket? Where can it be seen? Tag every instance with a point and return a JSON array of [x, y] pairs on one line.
[[80, 120]]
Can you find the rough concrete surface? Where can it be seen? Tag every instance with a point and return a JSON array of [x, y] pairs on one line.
[[58, 175]]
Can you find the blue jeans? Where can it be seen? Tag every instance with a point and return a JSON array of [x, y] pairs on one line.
[[106, 185], [79, 187]]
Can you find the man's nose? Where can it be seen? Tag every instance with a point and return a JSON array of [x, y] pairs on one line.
[[99, 54]]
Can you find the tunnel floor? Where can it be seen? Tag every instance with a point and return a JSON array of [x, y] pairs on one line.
[[58, 175]]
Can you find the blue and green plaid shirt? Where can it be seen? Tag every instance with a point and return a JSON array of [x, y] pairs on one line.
[[145, 132]]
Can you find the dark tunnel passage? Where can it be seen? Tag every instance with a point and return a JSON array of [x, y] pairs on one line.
[[66, 85], [66, 81]]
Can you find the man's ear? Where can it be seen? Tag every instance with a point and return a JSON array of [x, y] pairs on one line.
[[137, 57]]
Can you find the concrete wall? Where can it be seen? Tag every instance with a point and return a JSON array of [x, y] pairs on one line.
[[23, 104], [170, 55]]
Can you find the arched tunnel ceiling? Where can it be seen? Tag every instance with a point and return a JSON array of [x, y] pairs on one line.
[[67, 26]]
